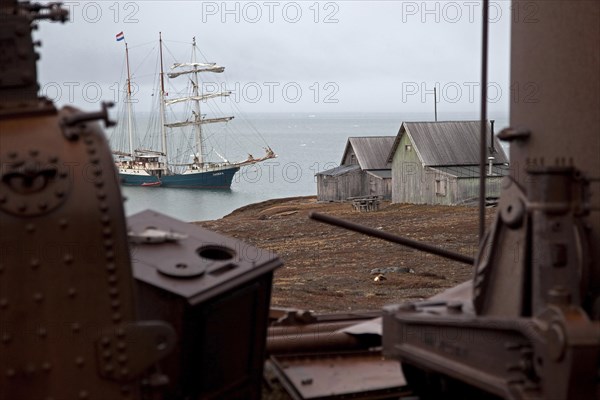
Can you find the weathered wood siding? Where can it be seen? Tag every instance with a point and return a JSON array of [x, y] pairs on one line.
[[493, 186], [326, 188], [407, 173], [416, 184], [350, 157], [428, 186], [468, 188], [339, 188], [352, 184], [378, 187]]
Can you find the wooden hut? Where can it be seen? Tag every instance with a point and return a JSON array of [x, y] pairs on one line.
[[364, 171], [438, 163]]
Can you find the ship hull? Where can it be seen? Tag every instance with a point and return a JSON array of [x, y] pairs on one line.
[[219, 179]]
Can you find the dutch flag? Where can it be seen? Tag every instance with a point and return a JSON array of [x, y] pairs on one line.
[[120, 36]]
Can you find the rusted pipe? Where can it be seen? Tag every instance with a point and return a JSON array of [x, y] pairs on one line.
[[316, 342], [391, 238], [293, 330]]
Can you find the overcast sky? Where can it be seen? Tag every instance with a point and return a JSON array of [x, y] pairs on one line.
[[285, 56]]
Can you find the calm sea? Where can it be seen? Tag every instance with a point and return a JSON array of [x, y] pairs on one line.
[[305, 144]]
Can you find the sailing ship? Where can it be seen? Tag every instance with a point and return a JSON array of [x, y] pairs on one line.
[[154, 167]]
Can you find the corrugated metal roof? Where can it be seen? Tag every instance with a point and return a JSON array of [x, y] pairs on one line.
[[472, 171], [371, 151], [341, 170], [381, 173], [447, 142]]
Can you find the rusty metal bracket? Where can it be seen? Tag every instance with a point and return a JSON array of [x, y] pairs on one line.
[[126, 352], [510, 134], [75, 124]]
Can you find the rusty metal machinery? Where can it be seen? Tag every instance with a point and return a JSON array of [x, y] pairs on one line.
[[66, 290], [528, 326], [71, 312], [215, 291]]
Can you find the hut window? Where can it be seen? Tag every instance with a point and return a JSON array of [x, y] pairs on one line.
[[440, 187], [353, 158], [408, 147]]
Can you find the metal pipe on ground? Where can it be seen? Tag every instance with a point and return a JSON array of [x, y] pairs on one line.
[[315, 342], [292, 330], [391, 238]]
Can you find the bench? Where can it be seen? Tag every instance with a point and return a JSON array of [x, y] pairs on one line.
[[365, 203]]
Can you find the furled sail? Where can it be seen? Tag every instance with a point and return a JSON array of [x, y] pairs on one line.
[[196, 67], [197, 98], [199, 122], [193, 64]]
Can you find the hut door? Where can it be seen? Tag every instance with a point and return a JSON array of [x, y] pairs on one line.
[[372, 187]]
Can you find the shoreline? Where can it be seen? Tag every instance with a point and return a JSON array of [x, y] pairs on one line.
[[259, 204]]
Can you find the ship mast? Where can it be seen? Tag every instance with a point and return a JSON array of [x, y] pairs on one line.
[[199, 157], [129, 112], [196, 96], [163, 131]]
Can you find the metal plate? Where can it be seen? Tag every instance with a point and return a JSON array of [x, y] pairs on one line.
[[182, 270], [364, 375]]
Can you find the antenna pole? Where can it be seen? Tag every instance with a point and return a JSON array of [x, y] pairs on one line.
[[435, 102], [482, 138]]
